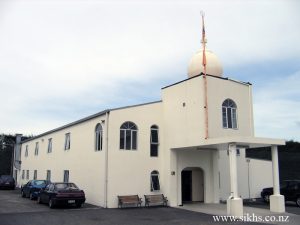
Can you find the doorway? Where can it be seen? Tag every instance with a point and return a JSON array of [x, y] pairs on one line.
[[192, 185], [186, 185]]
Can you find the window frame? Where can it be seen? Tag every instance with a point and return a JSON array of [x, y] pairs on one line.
[[229, 114], [36, 150], [129, 129], [67, 141], [27, 174], [98, 137], [34, 174], [66, 178], [48, 175], [23, 174], [26, 151], [153, 143], [154, 188], [49, 150]]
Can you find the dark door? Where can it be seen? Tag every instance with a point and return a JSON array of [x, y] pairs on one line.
[[186, 185]]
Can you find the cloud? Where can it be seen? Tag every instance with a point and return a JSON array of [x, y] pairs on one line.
[[62, 60], [277, 108]]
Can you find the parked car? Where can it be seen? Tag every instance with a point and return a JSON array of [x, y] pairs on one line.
[[289, 188], [32, 188], [7, 181], [61, 193]]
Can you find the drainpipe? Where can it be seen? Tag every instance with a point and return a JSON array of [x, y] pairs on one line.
[[106, 160], [251, 110]]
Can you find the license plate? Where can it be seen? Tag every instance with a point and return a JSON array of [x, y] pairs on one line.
[[7, 183], [71, 201]]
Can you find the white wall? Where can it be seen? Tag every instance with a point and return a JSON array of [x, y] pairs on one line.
[[129, 170], [86, 165], [197, 159], [218, 91], [249, 183]]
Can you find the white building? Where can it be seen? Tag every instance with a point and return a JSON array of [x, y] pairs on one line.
[[190, 146]]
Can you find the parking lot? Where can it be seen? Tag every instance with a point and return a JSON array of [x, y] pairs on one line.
[[15, 210]]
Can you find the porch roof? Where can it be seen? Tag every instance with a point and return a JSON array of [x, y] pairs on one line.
[[242, 142]]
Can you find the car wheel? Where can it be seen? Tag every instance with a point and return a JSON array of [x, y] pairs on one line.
[[266, 198], [51, 203], [31, 197], [22, 194], [39, 200], [298, 201]]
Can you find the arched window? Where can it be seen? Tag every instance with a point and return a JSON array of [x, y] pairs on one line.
[[229, 114], [128, 136], [98, 137], [154, 142], [155, 181]]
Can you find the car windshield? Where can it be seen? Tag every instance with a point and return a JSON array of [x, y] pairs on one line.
[[39, 182], [65, 186]]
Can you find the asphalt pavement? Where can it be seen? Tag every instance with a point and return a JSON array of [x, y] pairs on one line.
[[15, 210]]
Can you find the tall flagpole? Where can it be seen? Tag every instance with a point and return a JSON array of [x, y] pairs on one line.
[[204, 76]]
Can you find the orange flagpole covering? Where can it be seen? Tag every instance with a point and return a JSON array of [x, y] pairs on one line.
[[204, 77], [203, 44]]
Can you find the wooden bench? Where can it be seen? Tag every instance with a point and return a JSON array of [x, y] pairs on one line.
[[129, 200], [159, 199]]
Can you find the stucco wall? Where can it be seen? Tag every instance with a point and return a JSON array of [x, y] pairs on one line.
[[197, 159], [218, 91], [129, 170], [253, 176], [85, 165]]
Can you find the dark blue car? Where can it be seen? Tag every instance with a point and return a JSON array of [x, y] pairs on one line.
[[32, 188]]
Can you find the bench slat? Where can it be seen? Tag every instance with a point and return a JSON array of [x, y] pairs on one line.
[[158, 199], [129, 200]]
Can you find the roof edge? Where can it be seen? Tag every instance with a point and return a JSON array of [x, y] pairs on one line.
[[86, 119], [201, 74]]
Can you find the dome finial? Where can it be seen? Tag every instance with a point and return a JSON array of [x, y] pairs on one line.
[[204, 61], [203, 43]]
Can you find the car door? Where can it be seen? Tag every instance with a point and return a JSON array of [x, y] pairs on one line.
[[49, 192], [290, 191], [43, 193], [26, 188]]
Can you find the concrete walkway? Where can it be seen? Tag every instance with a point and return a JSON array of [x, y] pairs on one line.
[[221, 210]]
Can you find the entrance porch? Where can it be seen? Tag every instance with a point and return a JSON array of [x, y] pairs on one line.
[[205, 158]]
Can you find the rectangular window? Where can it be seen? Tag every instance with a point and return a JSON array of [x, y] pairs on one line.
[[234, 122], [134, 139], [99, 140], [26, 151], [224, 114], [229, 116], [67, 141], [238, 153], [36, 151], [49, 145], [48, 177], [66, 175], [27, 174], [154, 142], [122, 139], [128, 139], [154, 150], [35, 174], [23, 174]]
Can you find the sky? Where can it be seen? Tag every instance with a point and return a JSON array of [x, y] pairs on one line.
[[62, 60]]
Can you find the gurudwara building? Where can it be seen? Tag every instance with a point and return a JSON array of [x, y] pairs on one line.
[[190, 146]]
